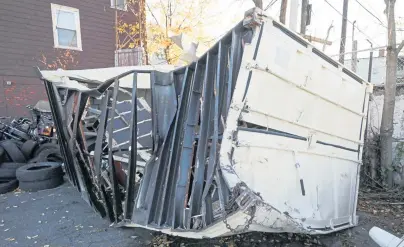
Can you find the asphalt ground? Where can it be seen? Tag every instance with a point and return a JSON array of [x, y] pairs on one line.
[[61, 218]]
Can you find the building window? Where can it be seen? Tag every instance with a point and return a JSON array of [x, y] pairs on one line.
[[66, 27], [119, 4]]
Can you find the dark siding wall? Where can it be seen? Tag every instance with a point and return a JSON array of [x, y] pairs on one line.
[[27, 38]]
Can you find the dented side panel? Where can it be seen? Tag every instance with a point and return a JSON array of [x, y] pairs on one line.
[[262, 133]]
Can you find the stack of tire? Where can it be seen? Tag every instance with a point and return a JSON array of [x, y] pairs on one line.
[[31, 166]]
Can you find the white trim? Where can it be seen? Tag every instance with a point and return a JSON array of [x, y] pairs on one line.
[[125, 8], [54, 8]]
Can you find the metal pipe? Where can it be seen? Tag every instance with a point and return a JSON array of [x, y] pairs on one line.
[[370, 62]]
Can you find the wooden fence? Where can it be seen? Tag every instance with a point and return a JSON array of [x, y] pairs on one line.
[[129, 57]]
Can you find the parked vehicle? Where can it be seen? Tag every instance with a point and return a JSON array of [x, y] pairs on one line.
[[264, 132]]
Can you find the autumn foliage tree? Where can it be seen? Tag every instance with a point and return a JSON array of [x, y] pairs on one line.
[[166, 18], [131, 25], [174, 17], [59, 59]]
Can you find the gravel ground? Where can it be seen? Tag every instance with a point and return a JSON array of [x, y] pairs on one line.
[[61, 218]]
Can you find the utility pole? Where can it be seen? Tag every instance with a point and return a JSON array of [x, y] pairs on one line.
[[303, 20], [354, 61], [343, 32], [282, 17]]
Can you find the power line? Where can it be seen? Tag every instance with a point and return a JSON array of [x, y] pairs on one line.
[[350, 21], [370, 12], [367, 49], [367, 10], [270, 4]]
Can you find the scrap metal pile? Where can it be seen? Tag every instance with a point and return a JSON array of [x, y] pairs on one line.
[[29, 142], [262, 133]]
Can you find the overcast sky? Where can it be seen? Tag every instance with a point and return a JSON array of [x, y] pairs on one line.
[[231, 11]]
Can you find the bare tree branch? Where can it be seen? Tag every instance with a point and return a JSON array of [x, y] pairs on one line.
[[270, 4], [154, 17], [186, 16], [163, 7], [400, 46]]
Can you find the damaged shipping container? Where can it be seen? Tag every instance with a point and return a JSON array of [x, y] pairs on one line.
[[264, 132]]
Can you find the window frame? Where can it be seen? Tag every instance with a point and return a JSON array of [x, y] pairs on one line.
[[76, 13], [125, 8]]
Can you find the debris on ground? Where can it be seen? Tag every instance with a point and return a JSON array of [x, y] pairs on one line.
[[29, 145], [384, 238]]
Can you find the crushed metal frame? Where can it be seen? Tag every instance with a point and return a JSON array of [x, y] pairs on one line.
[[190, 186]]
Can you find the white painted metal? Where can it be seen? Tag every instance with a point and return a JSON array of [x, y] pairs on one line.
[[385, 239], [102, 74], [296, 91]]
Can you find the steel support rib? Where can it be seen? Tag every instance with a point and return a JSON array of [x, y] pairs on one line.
[[98, 150], [206, 198], [130, 182], [197, 187], [116, 198]]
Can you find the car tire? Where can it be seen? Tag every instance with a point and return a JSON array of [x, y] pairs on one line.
[[45, 146], [47, 155], [3, 156], [39, 171], [8, 185], [13, 151], [12, 165], [28, 148], [33, 186], [7, 173]]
